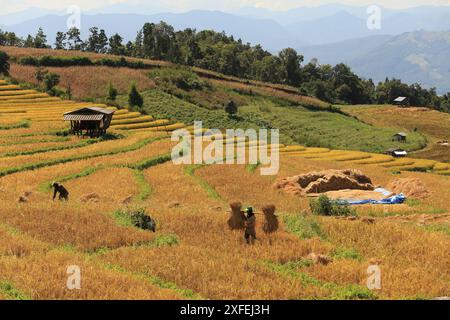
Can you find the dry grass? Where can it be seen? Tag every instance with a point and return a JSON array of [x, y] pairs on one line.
[[40, 238], [95, 85]]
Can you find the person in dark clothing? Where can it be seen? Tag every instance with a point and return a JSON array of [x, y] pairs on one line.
[[250, 226], [59, 188]]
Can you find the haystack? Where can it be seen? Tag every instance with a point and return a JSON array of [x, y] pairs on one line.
[[271, 220], [410, 187], [319, 258], [22, 199], [237, 217], [324, 181], [90, 197], [128, 200]]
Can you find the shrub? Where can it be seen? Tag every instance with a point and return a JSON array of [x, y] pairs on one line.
[[141, 220], [51, 61], [231, 108], [323, 206], [50, 81], [134, 97], [40, 74], [181, 78], [112, 93], [303, 226], [4, 64]]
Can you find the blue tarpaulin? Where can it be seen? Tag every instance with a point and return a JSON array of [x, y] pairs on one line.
[[396, 199]]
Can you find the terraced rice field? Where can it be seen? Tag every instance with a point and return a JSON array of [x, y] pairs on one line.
[[17, 104], [193, 255]]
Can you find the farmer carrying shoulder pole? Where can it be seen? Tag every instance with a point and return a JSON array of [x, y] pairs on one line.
[[59, 188], [250, 226]]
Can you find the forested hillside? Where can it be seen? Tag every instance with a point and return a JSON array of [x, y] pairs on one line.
[[222, 53]]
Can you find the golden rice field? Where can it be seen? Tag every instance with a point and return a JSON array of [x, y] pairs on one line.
[[193, 255], [433, 124]]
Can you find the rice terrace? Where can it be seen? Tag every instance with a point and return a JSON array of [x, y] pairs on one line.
[[358, 209]]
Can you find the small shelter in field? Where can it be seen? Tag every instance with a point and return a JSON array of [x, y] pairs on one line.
[[401, 101], [397, 153], [399, 137], [91, 121]]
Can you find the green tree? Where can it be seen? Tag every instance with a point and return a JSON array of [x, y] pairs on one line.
[[112, 92], [115, 45], [148, 41], [29, 42], [50, 81], [97, 41], [291, 61], [102, 42], [4, 63], [73, 39], [69, 92], [60, 40], [231, 108], [134, 97], [40, 74], [138, 49], [92, 41], [40, 40]]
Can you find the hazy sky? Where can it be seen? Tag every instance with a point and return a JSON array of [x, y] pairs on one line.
[[8, 6]]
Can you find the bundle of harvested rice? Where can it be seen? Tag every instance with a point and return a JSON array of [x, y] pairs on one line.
[[324, 181], [271, 220], [237, 217], [410, 187], [319, 258], [90, 197]]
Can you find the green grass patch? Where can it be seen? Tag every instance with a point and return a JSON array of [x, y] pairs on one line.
[[157, 281], [165, 240], [144, 187], [31, 141], [151, 162], [18, 125], [80, 144], [337, 292], [413, 202], [303, 226], [297, 124], [251, 168], [47, 185], [438, 227], [10, 292], [342, 253], [211, 192]]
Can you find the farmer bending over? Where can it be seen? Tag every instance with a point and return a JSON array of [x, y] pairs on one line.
[[59, 188], [250, 225]]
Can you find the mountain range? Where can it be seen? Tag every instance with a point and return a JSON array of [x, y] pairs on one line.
[[412, 44]]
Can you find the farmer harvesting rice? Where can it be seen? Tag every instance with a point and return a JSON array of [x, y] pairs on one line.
[[59, 188], [250, 224]]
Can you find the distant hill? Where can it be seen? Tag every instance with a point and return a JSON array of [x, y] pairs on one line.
[[274, 30], [266, 32], [343, 51], [421, 56]]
